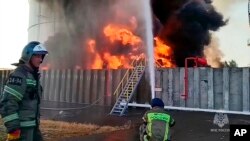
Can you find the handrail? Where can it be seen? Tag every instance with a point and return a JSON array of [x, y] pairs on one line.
[[139, 63], [158, 65], [126, 75]]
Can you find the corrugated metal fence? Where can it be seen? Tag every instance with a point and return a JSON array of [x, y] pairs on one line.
[[3, 76], [81, 86], [209, 88]]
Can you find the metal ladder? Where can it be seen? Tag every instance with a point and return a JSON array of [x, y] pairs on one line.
[[127, 86]]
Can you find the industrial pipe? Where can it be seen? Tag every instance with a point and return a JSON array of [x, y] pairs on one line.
[[191, 109], [198, 62]]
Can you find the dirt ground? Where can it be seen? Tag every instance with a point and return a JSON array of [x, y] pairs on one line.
[[57, 130], [190, 126]]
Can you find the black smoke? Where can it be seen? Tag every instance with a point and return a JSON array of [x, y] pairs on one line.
[[84, 20], [187, 25], [184, 25]]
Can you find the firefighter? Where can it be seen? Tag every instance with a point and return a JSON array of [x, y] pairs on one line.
[[20, 98], [157, 123]]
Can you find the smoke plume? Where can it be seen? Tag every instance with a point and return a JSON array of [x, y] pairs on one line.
[[187, 26], [213, 53], [84, 20], [184, 25]]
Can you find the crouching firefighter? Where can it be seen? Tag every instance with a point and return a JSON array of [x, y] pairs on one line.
[[157, 123], [20, 98]]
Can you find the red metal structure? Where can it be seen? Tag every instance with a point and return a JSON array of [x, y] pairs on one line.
[[199, 62]]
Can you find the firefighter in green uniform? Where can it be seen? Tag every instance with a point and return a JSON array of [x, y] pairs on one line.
[[20, 98], [157, 123]]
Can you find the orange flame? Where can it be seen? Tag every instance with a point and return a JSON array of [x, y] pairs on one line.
[[97, 62], [116, 33], [162, 54], [123, 35]]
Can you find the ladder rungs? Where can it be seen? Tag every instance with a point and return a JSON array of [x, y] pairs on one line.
[[121, 103], [127, 91], [120, 106], [116, 112], [124, 95]]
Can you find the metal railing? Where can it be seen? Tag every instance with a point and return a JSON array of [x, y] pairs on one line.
[[139, 61]]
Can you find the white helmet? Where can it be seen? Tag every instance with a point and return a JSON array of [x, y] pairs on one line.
[[32, 48]]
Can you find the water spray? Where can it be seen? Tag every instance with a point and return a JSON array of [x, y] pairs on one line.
[[150, 45]]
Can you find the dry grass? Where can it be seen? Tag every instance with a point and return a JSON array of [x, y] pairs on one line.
[[55, 130]]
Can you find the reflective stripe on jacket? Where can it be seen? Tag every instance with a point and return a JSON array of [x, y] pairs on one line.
[[20, 99], [158, 124]]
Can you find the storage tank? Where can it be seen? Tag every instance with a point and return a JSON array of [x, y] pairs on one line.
[[66, 30], [43, 21]]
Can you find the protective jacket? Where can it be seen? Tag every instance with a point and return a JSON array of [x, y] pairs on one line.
[[158, 123], [20, 99]]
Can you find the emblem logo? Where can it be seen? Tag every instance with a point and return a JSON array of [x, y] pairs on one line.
[[220, 119]]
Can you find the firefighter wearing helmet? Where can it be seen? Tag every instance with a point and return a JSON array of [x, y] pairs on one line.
[[20, 98], [157, 123]]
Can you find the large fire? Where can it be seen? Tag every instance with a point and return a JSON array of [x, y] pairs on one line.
[[163, 54], [122, 37]]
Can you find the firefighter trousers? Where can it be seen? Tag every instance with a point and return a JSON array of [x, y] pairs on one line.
[[143, 133], [31, 134]]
